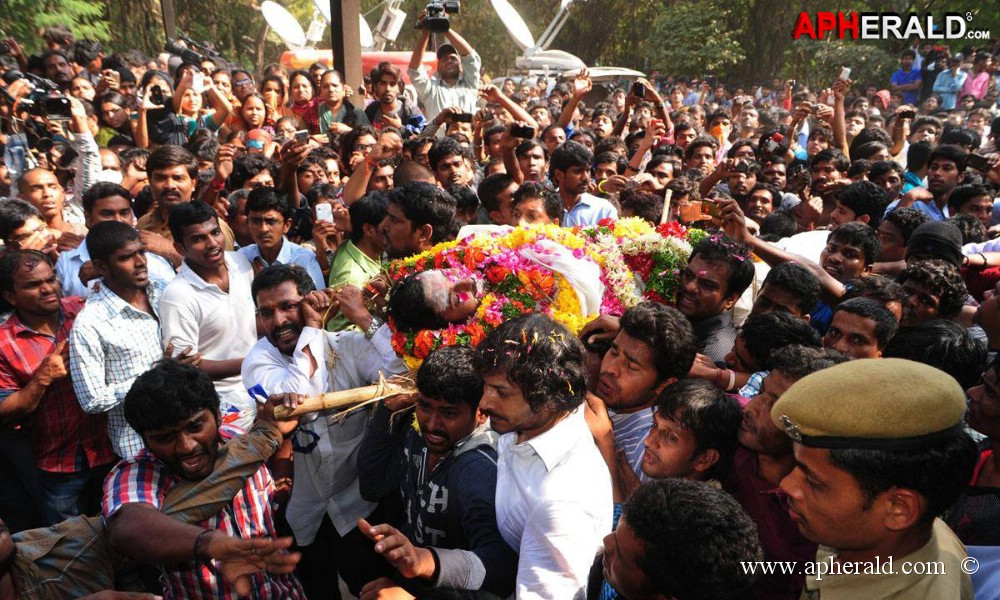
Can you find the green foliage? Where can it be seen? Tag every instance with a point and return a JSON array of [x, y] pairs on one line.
[[818, 62], [694, 39], [25, 19]]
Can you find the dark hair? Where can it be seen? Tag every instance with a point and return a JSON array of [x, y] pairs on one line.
[[448, 374], [943, 344], [881, 167], [12, 261], [949, 152], [876, 287], [187, 214], [763, 333], [102, 190], [491, 187], [700, 142], [106, 238], [648, 207], [907, 220], [534, 189], [548, 368], [695, 537], [570, 154], [277, 274], [798, 281], [265, 199], [408, 306], [839, 160], [944, 281], [973, 230], [370, 209], [14, 213], [919, 155], [778, 224], [465, 198], [964, 138], [308, 78], [170, 155], [667, 332], [865, 198], [964, 193], [248, 166], [426, 204], [527, 145], [860, 236], [713, 416], [167, 394], [617, 160], [444, 148], [866, 308], [720, 248], [795, 362]]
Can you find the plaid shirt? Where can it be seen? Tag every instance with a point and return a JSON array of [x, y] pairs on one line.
[[111, 344], [65, 439], [145, 479]]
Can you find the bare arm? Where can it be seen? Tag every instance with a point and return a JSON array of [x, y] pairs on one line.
[[493, 94], [581, 85], [840, 89], [509, 144], [23, 402]]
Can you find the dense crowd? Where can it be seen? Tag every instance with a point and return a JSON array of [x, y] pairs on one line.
[[198, 258]]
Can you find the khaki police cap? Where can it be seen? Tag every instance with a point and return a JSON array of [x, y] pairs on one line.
[[874, 403]]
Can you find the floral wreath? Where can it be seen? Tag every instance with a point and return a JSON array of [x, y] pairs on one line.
[[636, 261]]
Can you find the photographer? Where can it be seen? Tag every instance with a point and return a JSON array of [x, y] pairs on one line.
[[456, 82]]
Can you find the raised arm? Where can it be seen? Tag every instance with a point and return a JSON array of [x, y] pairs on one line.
[[581, 85]]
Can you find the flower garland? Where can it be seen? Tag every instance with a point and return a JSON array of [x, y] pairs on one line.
[[636, 259]]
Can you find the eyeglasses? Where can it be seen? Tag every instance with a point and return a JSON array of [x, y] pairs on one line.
[[270, 222], [363, 147], [242, 82]]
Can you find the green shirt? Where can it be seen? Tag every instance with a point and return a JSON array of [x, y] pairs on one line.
[[350, 266]]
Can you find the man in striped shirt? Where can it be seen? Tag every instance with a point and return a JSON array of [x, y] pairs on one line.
[[175, 409]]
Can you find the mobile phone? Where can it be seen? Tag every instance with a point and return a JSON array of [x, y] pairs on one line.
[[907, 114], [198, 83], [711, 208], [979, 162], [461, 118], [801, 180], [639, 89], [156, 96], [522, 131], [301, 136], [845, 73], [324, 212]]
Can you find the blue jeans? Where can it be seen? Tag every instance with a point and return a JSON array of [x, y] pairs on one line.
[[68, 495]]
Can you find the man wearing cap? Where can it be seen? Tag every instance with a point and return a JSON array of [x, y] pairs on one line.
[[457, 80], [872, 475]]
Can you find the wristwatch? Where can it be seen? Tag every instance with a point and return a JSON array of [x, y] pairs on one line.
[[376, 323]]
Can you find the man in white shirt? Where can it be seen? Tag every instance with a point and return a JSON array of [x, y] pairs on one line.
[[269, 216], [570, 170], [553, 501], [457, 80], [295, 356], [208, 308]]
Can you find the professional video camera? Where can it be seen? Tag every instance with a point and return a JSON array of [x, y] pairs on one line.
[[191, 51], [45, 99], [437, 15]]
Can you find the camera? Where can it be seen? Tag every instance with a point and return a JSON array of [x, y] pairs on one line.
[[45, 99], [437, 20], [524, 132], [187, 55]]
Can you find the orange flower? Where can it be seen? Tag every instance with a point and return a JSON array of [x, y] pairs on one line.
[[448, 338], [476, 333], [496, 274], [536, 280], [424, 344]]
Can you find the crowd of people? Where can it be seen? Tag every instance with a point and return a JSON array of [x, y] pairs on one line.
[[191, 250]]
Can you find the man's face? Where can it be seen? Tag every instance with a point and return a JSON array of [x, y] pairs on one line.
[[451, 295], [190, 448], [740, 359], [943, 176], [629, 380], [749, 120], [703, 159], [332, 88], [386, 89], [602, 126], [772, 298], [988, 316], [854, 125], [533, 164], [758, 432], [504, 215], [816, 144], [530, 211], [703, 289], [381, 179], [313, 174], [126, 267], [852, 335], [267, 228], [203, 245], [893, 245], [891, 182], [442, 424], [841, 214], [280, 311], [662, 175], [554, 138], [171, 186], [262, 179], [671, 449], [980, 207], [58, 70], [541, 116], [622, 551], [574, 180], [839, 520], [82, 88], [824, 172], [922, 302], [223, 82], [740, 184], [984, 405], [504, 403], [776, 175], [449, 65], [401, 239], [759, 205], [685, 137], [842, 261], [926, 132], [602, 171], [44, 191], [906, 62], [452, 170], [36, 289]]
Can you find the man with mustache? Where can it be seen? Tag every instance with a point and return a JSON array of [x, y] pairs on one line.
[[297, 356], [447, 475]]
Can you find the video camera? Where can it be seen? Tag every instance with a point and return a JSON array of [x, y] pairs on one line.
[[437, 20], [45, 99], [191, 51]]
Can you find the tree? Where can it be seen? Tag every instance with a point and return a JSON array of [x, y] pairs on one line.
[[694, 39]]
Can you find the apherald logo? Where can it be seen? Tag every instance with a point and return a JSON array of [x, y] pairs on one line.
[[885, 26]]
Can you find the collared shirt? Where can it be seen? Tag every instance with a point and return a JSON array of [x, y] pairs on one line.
[[144, 479], [153, 222], [588, 210], [219, 325], [902, 77], [290, 254], [70, 262], [554, 506], [948, 85], [63, 437], [350, 266], [630, 431], [716, 335], [942, 549], [976, 85], [436, 95], [111, 344], [752, 388]]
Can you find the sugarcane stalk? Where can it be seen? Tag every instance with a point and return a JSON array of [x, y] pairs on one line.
[[348, 398]]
